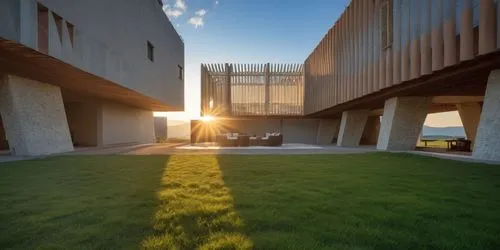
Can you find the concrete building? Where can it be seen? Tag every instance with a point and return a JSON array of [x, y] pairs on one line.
[[85, 73], [395, 59]]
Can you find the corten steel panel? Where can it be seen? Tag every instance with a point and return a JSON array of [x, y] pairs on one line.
[[431, 42]]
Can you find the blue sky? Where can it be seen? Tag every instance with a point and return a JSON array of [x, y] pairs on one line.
[[243, 31], [252, 31]]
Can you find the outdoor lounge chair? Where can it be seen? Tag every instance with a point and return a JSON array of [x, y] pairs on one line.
[[243, 140]]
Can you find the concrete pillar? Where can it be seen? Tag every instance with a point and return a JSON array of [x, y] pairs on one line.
[[33, 116], [161, 129], [402, 122], [487, 145], [351, 127], [328, 131], [470, 114]]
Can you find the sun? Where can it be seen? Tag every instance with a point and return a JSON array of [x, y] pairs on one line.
[[207, 118]]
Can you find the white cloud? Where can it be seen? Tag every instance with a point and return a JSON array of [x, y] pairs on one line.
[[172, 13], [201, 12], [181, 4], [216, 2], [196, 21]]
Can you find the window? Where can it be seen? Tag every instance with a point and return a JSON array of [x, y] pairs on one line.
[[386, 23], [43, 29], [71, 33], [151, 52], [59, 25], [160, 2], [181, 72]]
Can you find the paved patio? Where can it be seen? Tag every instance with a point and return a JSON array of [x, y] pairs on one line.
[[209, 148], [286, 149]]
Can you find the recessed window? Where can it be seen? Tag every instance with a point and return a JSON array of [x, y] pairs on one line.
[[151, 52], [386, 23], [59, 25], [160, 2], [71, 33], [43, 29], [181, 72]]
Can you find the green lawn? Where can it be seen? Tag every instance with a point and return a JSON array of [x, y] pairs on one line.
[[433, 144], [371, 201]]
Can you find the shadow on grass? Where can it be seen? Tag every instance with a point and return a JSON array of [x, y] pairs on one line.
[[78, 202], [195, 208]]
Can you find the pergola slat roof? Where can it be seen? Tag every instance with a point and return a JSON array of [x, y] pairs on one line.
[[252, 89]]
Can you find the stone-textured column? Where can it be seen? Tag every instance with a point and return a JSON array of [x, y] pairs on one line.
[[402, 122], [487, 146], [34, 119], [351, 127], [328, 130], [470, 114]]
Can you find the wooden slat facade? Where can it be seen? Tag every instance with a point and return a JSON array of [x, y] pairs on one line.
[[252, 89], [371, 49]]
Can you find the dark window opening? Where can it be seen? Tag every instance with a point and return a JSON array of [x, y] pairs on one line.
[[386, 23], [71, 32], [59, 24], [160, 2], [181, 72], [151, 54], [43, 29]]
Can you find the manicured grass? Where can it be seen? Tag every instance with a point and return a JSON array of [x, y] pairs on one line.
[[382, 201], [433, 144]]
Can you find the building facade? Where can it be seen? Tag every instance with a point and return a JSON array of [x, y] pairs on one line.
[[403, 59], [85, 73], [386, 64]]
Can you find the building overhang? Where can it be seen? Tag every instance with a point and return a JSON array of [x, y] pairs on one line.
[[23, 61], [465, 79]]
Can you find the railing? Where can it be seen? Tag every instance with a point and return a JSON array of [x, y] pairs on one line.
[[252, 89]]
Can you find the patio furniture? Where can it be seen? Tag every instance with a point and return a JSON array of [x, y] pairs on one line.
[[232, 140], [459, 144], [254, 141], [243, 140], [272, 140], [276, 140]]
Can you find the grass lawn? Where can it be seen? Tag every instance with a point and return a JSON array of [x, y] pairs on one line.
[[433, 144], [370, 201]]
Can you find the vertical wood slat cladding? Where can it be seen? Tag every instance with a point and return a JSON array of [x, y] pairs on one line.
[[425, 36], [253, 90]]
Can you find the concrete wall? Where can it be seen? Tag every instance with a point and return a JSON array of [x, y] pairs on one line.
[[33, 117], [110, 41], [161, 128], [10, 18], [328, 131], [120, 124], [371, 131], [83, 121], [300, 131]]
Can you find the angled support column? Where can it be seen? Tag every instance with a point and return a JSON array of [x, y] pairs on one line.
[[487, 145], [33, 116], [351, 127], [402, 122], [328, 131], [470, 114]]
